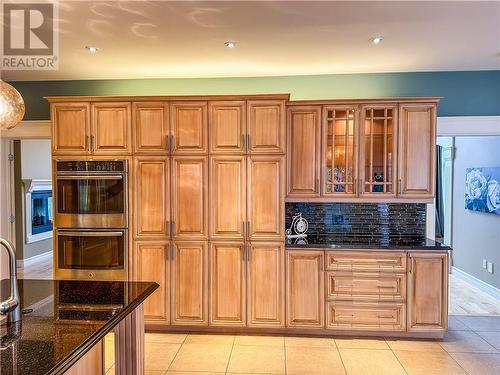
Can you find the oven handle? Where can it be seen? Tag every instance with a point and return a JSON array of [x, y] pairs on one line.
[[90, 177], [91, 234]]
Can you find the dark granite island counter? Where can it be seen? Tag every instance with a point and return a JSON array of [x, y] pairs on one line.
[[63, 333]]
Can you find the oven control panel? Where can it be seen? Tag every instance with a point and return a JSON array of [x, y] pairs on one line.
[[91, 166]]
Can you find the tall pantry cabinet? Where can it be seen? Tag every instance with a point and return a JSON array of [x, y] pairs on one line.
[[209, 211]]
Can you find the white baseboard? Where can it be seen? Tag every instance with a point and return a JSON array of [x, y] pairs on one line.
[[21, 263], [480, 284]]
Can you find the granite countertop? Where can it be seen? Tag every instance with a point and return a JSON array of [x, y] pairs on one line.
[[68, 319], [336, 243]]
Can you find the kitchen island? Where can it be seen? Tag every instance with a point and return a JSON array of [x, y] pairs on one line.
[[64, 323]]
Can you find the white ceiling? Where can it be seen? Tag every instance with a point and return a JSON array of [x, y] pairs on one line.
[[147, 39]]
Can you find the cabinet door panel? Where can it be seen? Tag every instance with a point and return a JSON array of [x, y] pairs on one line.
[[111, 128], [227, 127], [189, 197], [150, 263], [150, 127], [305, 288], [228, 203], [417, 150], [340, 151], [303, 151], [152, 197], [266, 122], [378, 144], [189, 127], [70, 128], [266, 197], [228, 283], [427, 292], [266, 284], [190, 283]]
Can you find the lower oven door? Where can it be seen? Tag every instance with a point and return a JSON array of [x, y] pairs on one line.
[[99, 255]]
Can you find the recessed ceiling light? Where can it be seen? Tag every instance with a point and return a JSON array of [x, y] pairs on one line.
[[92, 49], [377, 39], [230, 44]]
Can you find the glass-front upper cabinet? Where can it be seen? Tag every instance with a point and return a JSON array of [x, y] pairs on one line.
[[340, 165], [378, 140]]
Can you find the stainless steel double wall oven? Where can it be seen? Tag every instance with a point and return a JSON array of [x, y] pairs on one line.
[[91, 216]]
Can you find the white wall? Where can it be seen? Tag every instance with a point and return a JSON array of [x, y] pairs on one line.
[[476, 235], [35, 158]]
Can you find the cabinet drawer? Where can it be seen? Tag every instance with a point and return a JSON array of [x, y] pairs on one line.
[[366, 316], [366, 286], [365, 261]]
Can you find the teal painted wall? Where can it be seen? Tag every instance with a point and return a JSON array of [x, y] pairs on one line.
[[474, 93]]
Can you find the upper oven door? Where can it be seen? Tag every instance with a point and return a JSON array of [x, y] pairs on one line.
[[91, 201]]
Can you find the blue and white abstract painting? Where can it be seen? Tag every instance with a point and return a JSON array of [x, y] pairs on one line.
[[482, 189]]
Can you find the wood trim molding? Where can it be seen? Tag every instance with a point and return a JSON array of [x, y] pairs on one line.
[[30, 129], [468, 126]]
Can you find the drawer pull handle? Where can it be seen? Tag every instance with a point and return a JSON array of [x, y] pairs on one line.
[[386, 287], [340, 316], [386, 316], [344, 286]]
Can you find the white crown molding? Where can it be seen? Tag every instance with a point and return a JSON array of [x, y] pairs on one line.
[[468, 126], [33, 129]]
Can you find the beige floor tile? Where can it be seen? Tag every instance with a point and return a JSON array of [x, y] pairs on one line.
[[202, 357], [111, 371], [429, 363], [348, 343], [159, 355], [310, 342], [109, 352], [314, 361], [465, 342], [210, 339], [370, 362], [415, 345], [259, 340], [193, 373], [492, 338], [257, 359], [454, 324], [478, 364], [170, 338], [481, 323]]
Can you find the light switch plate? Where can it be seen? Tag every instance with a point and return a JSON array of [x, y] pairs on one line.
[[485, 263], [490, 267]]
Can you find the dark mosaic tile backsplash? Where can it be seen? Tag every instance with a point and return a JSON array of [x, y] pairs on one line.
[[362, 222]]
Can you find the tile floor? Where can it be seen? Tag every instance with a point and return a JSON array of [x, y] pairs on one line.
[[472, 346]]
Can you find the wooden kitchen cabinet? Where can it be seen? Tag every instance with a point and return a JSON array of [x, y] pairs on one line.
[[151, 197], [305, 289], [266, 204], [150, 128], [340, 151], [70, 128], [266, 127], [189, 283], [228, 197], [189, 197], [189, 124], [228, 283], [150, 262], [303, 151], [378, 150], [266, 284], [111, 128], [227, 123], [427, 292], [417, 150]]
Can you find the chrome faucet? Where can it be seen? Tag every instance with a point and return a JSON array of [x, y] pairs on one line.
[[11, 306]]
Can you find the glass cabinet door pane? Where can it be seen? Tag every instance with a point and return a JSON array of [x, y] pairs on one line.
[[378, 150], [340, 161]]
